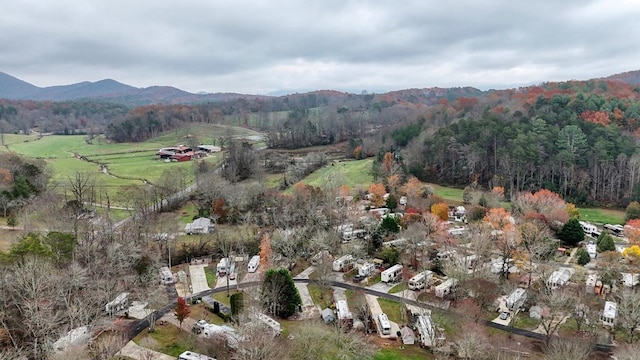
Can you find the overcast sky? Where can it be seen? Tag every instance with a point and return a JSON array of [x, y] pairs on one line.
[[261, 47]]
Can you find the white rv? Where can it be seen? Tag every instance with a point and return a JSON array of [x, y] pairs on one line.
[[190, 355], [426, 330], [366, 269], [516, 299], [609, 314], [120, 303], [274, 325], [344, 315], [344, 263], [254, 263], [385, 324], [559, 278], [353, 234], [589, 229], [421, 280], [392, 274], [166, 277], [445, 288], [223, 266]]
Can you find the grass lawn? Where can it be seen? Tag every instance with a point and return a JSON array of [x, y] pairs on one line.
[[398, 288], [410, 352], [221, 297], [351, 173], [211, 276], [448, 193], [524, 321], [394, 310], [199, 312], [602, 216], [324, 299], [170, 340]]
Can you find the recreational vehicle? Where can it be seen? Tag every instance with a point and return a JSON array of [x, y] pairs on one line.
[[166, 277], [445, 255], [254, 263], [223, 266], [366, 269], [589, 229], [120, 303], [344, 263], [385, 324], [392, 274], [445, 288], [426, 330], [617, 230], [274, 325], [559, 278], [344, 315], [516, 299], [457, 231], [421, 280], [353, 234], [190, 355], [609, 314]]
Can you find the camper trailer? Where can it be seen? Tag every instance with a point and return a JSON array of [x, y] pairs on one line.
[[366, 269], [344, 263], [617, 230], [516, 299], [421, 280], [190, 355], [352, 235], [344, 315], [166, 277], [120, 303], [254, 263], [274, 325], [609, 314], [223, 266], [445, 288], [589, 229], [385, 324], [426, 331], [392, 274], [559, 278]]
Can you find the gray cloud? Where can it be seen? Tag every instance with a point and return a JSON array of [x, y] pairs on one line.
[[264, 46]]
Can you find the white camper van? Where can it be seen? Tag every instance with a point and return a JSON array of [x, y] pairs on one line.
[[223, 266], [385, 325], [344, 263], [421, 280], [166, 277], [392, 274], [254, 263]]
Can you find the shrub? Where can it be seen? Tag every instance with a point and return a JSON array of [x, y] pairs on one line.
[[583, 256]]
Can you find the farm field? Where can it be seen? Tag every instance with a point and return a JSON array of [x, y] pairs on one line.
[[354, 174], [127, 164]]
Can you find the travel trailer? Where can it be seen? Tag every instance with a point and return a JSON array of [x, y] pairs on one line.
[[428, 336], [190, 355], [589, 229], [445, 288], [344, 315], [344, 263], [166, 277], [274, 325], [366, 269], [392, 274], [516, 299], [609, 314], [120, 303], [352, 235], [385, 324], [223, 266], [254, 263], [421, 280]]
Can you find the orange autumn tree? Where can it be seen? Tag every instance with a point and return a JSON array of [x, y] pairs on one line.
[[378, 191], [393, 182], [412, 188], [545, 202], [506, 236], [265, 251], [632, 231], [441, 210]]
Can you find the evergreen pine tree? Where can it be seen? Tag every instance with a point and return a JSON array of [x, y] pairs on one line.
[[571, 233]]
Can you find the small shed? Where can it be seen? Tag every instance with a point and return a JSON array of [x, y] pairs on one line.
[[407, 335], [328, 316], [535, 312]]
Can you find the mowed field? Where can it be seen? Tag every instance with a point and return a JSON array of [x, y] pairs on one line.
[[127, 163]]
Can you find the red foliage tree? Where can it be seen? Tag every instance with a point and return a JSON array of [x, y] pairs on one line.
[[182, 310]]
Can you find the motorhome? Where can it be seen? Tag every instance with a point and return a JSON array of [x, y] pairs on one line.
[[457, 231], [445, 288], [120, 303], [559, 278], [468, 261], [445, 255], [589, 229], [385, 324], [344, 263], [254, 263], [609, 314], [421, 280], [516, 299], [392, 274], [223, 266], [617, 230], [190, 355], [166, 277]]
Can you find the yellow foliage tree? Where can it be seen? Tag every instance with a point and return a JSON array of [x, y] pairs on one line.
[[632, 252], [378, 191], [573, 211], [441, 210]]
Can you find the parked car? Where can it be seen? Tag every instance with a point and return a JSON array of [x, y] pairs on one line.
[[504, 315], [232, 276]]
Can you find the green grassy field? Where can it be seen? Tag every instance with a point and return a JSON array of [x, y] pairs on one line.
[[393, 309], [448, 193], [351, 173], [602, 216], [410, 352]]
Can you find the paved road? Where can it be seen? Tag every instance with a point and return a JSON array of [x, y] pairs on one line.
[[139, 326], [136, 351]]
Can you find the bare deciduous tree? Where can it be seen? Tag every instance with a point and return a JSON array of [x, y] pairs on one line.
[[629, 311], [568, 349]]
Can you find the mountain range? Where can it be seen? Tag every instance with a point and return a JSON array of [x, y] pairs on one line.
[[110, 90], [13, 88]]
